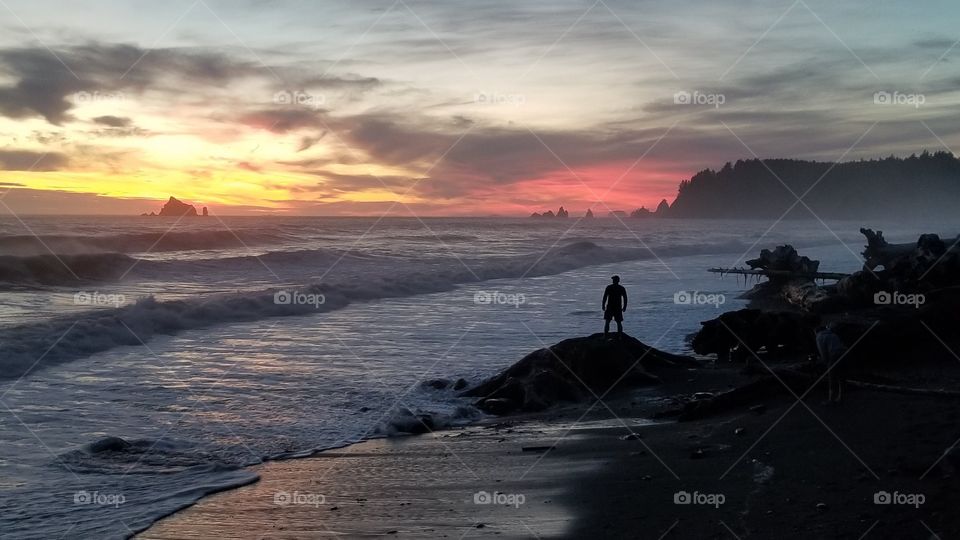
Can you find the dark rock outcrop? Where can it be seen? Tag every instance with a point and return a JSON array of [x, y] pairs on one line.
[[176, 208], [573, 370], [663, 208], [108, 444], [561, 213], [746, 330]]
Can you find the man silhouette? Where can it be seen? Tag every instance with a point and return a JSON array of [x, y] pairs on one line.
[[614, 304]]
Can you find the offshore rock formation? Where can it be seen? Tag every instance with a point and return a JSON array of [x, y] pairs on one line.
[[561, 213], [176, 208]]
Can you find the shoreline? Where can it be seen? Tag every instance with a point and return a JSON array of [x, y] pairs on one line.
[[430, 484], [783, 469], [536, 447]]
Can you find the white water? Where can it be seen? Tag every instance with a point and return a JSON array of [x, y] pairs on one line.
[[221, 382]]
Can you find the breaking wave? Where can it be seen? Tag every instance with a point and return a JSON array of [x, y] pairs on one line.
[[75, 336], [62, 269], [154, 241]]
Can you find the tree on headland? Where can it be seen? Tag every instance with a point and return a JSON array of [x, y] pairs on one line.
[[928, 184]]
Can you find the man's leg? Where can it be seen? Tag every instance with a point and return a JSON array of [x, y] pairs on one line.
[[620, 326], [606, 327]]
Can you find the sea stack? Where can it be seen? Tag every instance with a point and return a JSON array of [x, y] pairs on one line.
[[177, 208], [663, 208]]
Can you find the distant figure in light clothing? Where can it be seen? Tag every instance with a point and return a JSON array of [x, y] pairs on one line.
[[614, 304]]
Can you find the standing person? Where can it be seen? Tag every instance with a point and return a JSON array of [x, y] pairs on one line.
[[614, 304], [832, 350]]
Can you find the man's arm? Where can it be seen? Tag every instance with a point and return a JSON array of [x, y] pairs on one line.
[[624, 299], [603, 303]]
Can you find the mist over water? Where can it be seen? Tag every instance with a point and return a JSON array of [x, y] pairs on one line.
[[188, 354]]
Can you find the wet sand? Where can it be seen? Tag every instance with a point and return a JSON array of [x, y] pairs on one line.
[[784, 472], [433, 485]]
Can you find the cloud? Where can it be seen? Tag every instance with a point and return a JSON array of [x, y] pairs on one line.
[[247, 166], [452, 161], [113, 121], [282, 120], [26, 160], [336, 184], [44, 86], [48, 85], [307, 142]]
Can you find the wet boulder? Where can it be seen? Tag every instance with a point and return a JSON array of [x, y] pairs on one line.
[[574, 370]]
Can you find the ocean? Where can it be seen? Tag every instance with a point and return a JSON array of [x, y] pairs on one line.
[[150, 361]]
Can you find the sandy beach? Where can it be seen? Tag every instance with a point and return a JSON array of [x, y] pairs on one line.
[[785, 469]]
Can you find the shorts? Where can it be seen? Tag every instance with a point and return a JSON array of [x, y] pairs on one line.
[[615, 314]]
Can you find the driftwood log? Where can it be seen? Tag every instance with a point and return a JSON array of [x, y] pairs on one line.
[[923, 267], [878, 252], [791, 280]]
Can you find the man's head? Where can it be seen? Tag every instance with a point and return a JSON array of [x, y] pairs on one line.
[[616, 279]]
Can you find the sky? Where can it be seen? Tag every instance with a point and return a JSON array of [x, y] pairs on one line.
[[363, 107]]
